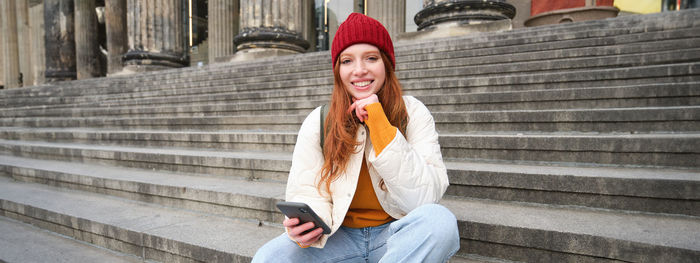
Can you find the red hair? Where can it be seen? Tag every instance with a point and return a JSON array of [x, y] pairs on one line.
[[341, 127]]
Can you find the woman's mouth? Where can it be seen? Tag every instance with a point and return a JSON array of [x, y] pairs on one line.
[[362, 84]]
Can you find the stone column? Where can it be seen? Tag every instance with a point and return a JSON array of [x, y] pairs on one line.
[[86, 46], [115, 20], [391, 13], [23, 40], [270, 28], [308, 30], [438, 13], [155, 29], [2, 50], [223, 26], [59, 40], [36, 12], [10, 50]]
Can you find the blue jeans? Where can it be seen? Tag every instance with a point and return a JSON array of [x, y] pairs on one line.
[[427, 234]]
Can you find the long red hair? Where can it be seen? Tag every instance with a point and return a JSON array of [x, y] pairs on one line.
[[341, 127]]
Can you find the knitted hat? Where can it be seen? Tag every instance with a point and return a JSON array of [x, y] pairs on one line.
[[359, 28]]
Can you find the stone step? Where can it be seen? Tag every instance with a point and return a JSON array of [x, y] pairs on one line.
[[233, 140], [216, 123], [152, 232], [205, 193], [533, 233], [21, 242], [649, 190], [624, 120], [657, 190], [666, 149], [674, 94], [621, 120], [674, 150], [649, 95], [250, 165], [493, 226], [181, 97]]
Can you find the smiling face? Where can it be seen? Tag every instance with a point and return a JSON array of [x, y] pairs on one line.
[[362, 70]]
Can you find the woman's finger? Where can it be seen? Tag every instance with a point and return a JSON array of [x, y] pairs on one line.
[[296, 231], [290, 222], [311, 237], [361, 113], [352, 107]]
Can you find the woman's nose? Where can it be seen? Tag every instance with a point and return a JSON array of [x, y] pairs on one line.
[[360, 69]]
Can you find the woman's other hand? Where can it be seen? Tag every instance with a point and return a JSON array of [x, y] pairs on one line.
[[358, 106], [296, 231]]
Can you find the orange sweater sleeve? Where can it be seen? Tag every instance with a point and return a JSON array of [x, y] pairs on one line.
[[381, 130]]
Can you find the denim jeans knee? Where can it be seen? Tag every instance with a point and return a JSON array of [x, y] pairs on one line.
[[427, 234]]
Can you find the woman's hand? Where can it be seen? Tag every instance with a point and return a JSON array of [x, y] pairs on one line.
[[358, 106], [295, 230]]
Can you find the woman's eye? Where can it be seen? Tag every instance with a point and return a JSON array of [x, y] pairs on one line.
[[372, 58], [345, 61]]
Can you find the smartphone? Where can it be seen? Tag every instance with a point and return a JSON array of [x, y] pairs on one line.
[[304, 213]]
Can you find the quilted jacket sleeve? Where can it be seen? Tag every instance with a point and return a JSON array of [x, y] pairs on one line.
[[307, 161]]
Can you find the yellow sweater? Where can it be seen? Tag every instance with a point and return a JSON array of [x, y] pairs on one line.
[[365, 210]]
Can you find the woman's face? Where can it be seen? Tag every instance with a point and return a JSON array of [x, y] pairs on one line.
[[362, 70]]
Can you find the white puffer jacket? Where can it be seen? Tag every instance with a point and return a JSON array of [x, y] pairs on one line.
[[412, 170]]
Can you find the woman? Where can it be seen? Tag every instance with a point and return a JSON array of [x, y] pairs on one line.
[[379, 173]]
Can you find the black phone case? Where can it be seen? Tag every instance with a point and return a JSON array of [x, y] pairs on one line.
[[304, 213]]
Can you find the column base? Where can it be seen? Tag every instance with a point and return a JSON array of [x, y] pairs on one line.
[[270, 38], [463, 11], [454, 29]]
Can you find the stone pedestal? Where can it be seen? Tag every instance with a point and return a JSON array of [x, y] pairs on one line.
[[59, 40], [86, 46], [115, 25], [155, 31], [269, 30], [10, 52], [223, 26], [391, 13], [441, 13]]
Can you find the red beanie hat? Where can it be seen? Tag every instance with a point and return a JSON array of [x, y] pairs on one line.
[[359, 28]]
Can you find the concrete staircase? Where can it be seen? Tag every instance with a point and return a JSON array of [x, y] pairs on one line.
[[576, 142]]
